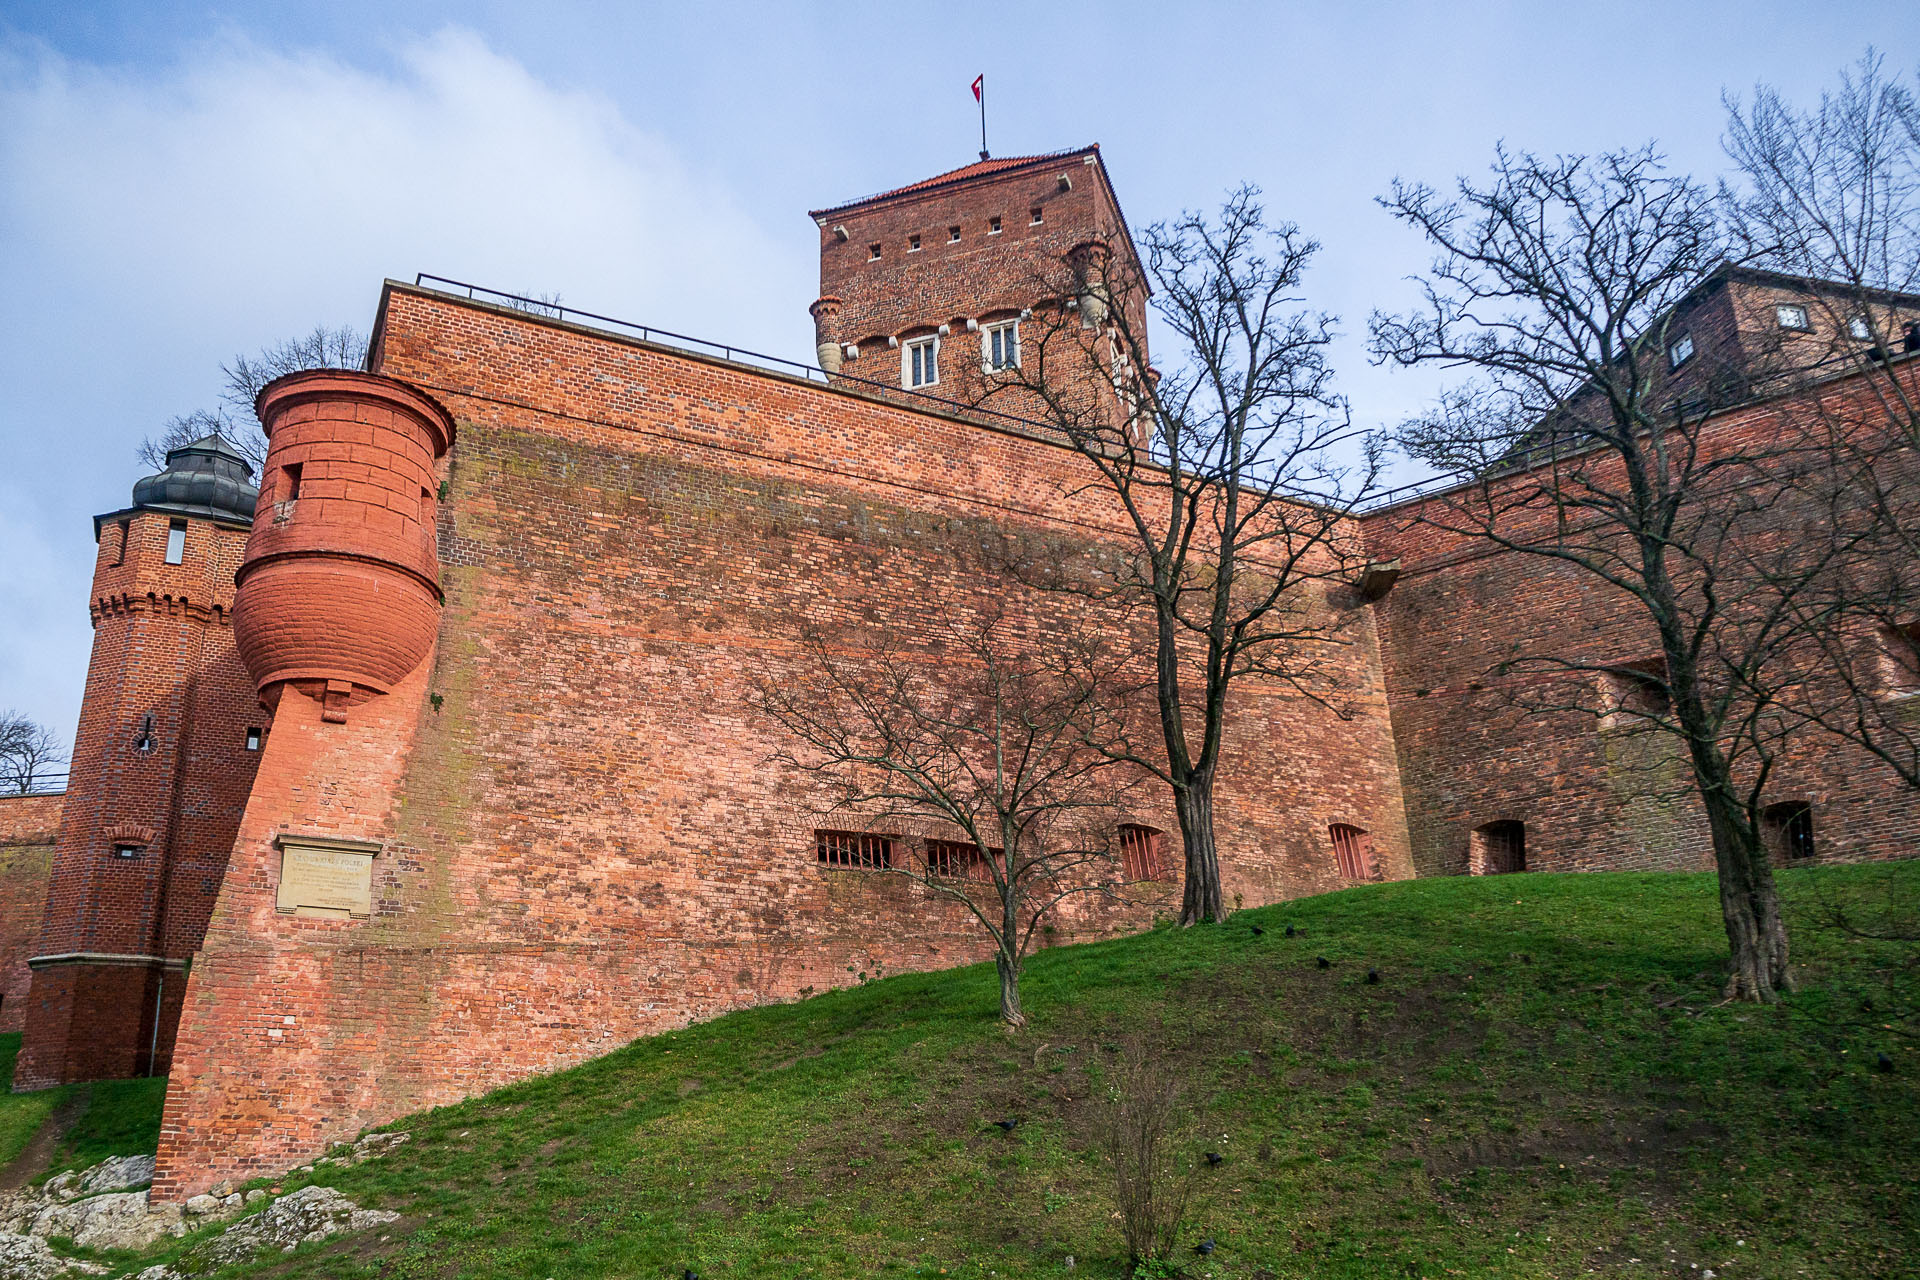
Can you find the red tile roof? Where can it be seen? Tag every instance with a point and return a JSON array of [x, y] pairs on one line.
[[965, 173]]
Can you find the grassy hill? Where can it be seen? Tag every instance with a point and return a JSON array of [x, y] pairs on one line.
[[1540, 1084]]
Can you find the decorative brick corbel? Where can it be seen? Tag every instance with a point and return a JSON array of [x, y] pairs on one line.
[[333, 709], [130, 833]]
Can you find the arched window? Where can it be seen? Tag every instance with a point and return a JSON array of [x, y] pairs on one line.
[[1787, 829], [1498, 848], [1353, 851]]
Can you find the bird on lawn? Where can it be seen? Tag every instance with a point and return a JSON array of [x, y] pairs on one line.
[[1373, 977], [1213, 1157], [1323, 962], [1883, 1063], [1205, 1247], [1006, 1126], [1257, 931], [1289, 931], [689, 1274]]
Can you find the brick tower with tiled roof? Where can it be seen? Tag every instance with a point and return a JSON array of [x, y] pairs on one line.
[[933, 286]]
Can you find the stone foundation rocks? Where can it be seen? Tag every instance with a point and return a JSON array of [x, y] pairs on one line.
[[92, 1209], [307, 1216]]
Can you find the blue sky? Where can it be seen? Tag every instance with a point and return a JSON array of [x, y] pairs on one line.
[[182, 182]]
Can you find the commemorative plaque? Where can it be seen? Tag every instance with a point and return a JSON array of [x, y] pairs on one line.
[[323, 877]]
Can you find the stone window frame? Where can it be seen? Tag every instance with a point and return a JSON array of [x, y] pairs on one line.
[[929, 343], [1899, 660], [176, 541], [988, 329]]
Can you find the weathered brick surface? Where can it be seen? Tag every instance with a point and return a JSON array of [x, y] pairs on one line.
[[585, 839], [984, 276], [28, 827], [1475, 747], [162, 647]]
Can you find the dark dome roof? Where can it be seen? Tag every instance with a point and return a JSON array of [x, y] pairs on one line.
[[205, 478]]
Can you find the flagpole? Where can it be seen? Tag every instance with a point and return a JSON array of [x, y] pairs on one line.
[[983, 117]]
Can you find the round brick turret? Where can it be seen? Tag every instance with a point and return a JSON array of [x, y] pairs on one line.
[[339, 594]]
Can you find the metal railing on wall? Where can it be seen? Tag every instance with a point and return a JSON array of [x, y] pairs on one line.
[[40, 784], [717, 350]]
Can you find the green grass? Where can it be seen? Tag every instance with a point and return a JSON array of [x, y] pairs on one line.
[[121, 1117], [21, 1114], [1542, 1084]]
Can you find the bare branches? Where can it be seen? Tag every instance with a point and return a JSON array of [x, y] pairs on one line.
[[1226, 468], [1591, 440], [29, 754], [232, 419], [1001, 737]]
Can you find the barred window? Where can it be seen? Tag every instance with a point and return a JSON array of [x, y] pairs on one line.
[[1353, 851], [853, 849], [1141, 853], [957, 860]]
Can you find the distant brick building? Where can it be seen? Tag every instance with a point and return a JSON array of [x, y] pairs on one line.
[[504, 598]]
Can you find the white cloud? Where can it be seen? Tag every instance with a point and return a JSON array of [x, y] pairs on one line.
[[153, 222]]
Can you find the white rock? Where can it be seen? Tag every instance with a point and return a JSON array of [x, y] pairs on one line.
[[29, 1258], [119, 1220], [197, 1205], [308, 1215], [117, 1173]]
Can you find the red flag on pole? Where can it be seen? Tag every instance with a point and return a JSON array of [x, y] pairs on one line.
[[978, 81]]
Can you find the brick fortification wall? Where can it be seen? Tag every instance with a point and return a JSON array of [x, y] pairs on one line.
[[160, 773], [28, 827], [1475, 748], [582, 837]]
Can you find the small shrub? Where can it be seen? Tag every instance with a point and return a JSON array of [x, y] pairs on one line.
[[1144, 1125]]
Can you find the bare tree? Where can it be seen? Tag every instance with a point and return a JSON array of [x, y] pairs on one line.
[[29, 754], [233, 419], [1223, 469], [992, 742], [1831, 196], [1556, 283]]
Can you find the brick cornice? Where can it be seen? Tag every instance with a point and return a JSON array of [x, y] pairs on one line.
[[124, 603]]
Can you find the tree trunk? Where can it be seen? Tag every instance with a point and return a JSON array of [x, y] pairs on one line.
[[1009, 991], [1750, 908], [1201, 902]]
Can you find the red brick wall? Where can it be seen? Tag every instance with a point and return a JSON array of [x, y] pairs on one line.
[[983, 276], [162, 646], [584, 840], [1592, 797], [28, 826]]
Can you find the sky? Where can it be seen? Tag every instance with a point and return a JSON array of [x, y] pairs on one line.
[[183, 182]]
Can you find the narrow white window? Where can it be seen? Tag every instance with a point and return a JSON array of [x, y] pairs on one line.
[[176, 541], [920, 363], [1000, 347], [253, 739], [993, 226], [1680, 352]]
